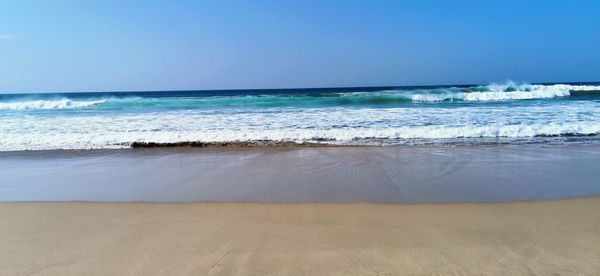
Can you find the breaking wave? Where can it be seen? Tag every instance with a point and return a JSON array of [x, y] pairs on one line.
[[47, 104], [329, 125], [86, 140], [503, 92]]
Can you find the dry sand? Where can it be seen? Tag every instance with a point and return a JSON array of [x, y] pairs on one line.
[[520, 238]]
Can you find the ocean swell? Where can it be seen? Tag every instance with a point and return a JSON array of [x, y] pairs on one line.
[[384, 98]]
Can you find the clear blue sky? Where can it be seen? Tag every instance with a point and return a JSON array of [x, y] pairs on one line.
[[168, 45]]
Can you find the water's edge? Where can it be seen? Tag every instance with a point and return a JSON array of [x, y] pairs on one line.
[[304, 174]]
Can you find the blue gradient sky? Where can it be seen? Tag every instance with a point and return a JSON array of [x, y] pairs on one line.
[[160, 45]]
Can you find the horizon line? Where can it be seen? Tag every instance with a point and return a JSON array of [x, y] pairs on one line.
[[293, 88]]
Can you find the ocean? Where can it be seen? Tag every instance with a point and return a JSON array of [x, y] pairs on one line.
[[405, 116]]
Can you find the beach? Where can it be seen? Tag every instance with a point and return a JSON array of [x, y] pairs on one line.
[[299, 138], [520, 238], [464, 210]]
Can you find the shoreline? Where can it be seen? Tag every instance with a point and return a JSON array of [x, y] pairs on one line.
[[541, 140], [73, 238], [416, 144], [324, 203], [304, 174]]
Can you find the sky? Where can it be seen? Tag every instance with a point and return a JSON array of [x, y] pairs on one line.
[[60, 46]]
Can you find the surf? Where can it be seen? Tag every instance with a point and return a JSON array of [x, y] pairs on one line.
[[63, 103]]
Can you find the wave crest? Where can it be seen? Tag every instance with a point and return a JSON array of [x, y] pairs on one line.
[[501, 92], [47, 104]]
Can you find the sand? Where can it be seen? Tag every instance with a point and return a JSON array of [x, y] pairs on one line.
[[559, 237]]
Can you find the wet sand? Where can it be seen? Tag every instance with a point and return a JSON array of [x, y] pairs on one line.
[[304, 174], [519, 238]]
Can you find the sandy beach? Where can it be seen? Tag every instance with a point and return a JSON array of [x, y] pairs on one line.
[[486, 210], [520, 238], [429, 138]]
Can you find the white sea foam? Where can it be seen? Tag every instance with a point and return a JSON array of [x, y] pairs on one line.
[[113, 139], [340, 124], [47, 104]]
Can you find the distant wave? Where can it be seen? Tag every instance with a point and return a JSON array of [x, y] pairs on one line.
[[47, 104], [386, 98], [503, 92], [487, 93]]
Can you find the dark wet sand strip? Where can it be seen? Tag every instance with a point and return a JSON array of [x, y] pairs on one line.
[[304, 174]]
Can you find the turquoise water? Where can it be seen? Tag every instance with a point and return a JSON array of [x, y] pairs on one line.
[[507, 112]]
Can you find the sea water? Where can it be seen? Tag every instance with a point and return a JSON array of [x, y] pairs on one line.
[[472, 114]]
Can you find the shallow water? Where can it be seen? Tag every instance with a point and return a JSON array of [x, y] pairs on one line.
[[338, 174]]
